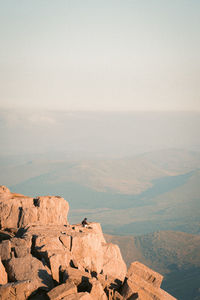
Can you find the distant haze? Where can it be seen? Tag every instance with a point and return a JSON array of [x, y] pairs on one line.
[[63, 135], [100, 55]]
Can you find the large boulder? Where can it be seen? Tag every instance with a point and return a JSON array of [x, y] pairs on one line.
[[58, 262], [5, 250], [21, 246], [29, 268], [17, 290], [17, 210], [79, 277], [152, 277], [113, 263], [143, 283], [97, 291], [87, 249], [62, 291]]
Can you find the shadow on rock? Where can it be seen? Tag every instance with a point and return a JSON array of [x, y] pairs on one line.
[[85, 285], [46, 278]]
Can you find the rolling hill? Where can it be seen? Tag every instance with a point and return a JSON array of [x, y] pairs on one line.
[[128, 176]]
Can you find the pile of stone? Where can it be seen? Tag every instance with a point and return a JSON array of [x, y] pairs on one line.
[[42, 256]]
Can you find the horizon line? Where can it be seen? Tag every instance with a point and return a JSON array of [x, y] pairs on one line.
[[42, 109]]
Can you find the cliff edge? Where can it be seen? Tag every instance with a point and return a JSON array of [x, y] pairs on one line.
[[42, 256]]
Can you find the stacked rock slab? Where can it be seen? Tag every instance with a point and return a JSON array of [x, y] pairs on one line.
[[44, 257], [143, 283]]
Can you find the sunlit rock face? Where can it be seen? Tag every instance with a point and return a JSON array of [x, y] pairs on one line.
[[44, 257], [19, 211], [143, 283]]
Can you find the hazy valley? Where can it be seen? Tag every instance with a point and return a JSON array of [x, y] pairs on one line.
[[127, 196]]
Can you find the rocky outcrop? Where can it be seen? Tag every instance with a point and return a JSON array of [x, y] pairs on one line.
[[19, 211], [150, 276], [143, 283], [44, 257]]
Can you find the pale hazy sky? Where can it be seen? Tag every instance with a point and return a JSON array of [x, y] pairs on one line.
[[100, 55]]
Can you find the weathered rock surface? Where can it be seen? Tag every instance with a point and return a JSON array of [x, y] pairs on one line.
[[5, 250], [43, 257], [97, 291], [29, 268], [19, 211], [79, 277], [143, 283], [62, 291], [112, 262], [17, 290], [21, 247], [152, 277], [79, 296]]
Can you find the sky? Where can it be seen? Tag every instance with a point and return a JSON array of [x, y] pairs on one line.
[[108, 55]]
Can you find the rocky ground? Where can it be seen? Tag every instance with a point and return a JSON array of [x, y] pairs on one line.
[[42, 256]]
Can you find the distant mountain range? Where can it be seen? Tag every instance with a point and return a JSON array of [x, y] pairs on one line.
[[128, 176], [174, 254]]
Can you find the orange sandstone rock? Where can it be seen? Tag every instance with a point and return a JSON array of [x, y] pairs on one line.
[[29, 268], [113, 263], [19, 211], [17, 290], [79, 296], [5, 250], [97, 291], [141, 284], [62, 291], [137, 268]]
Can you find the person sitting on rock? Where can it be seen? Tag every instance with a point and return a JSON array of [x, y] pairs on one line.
[[84, 222]]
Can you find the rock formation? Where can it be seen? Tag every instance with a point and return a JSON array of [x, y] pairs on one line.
[[42, 256]]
